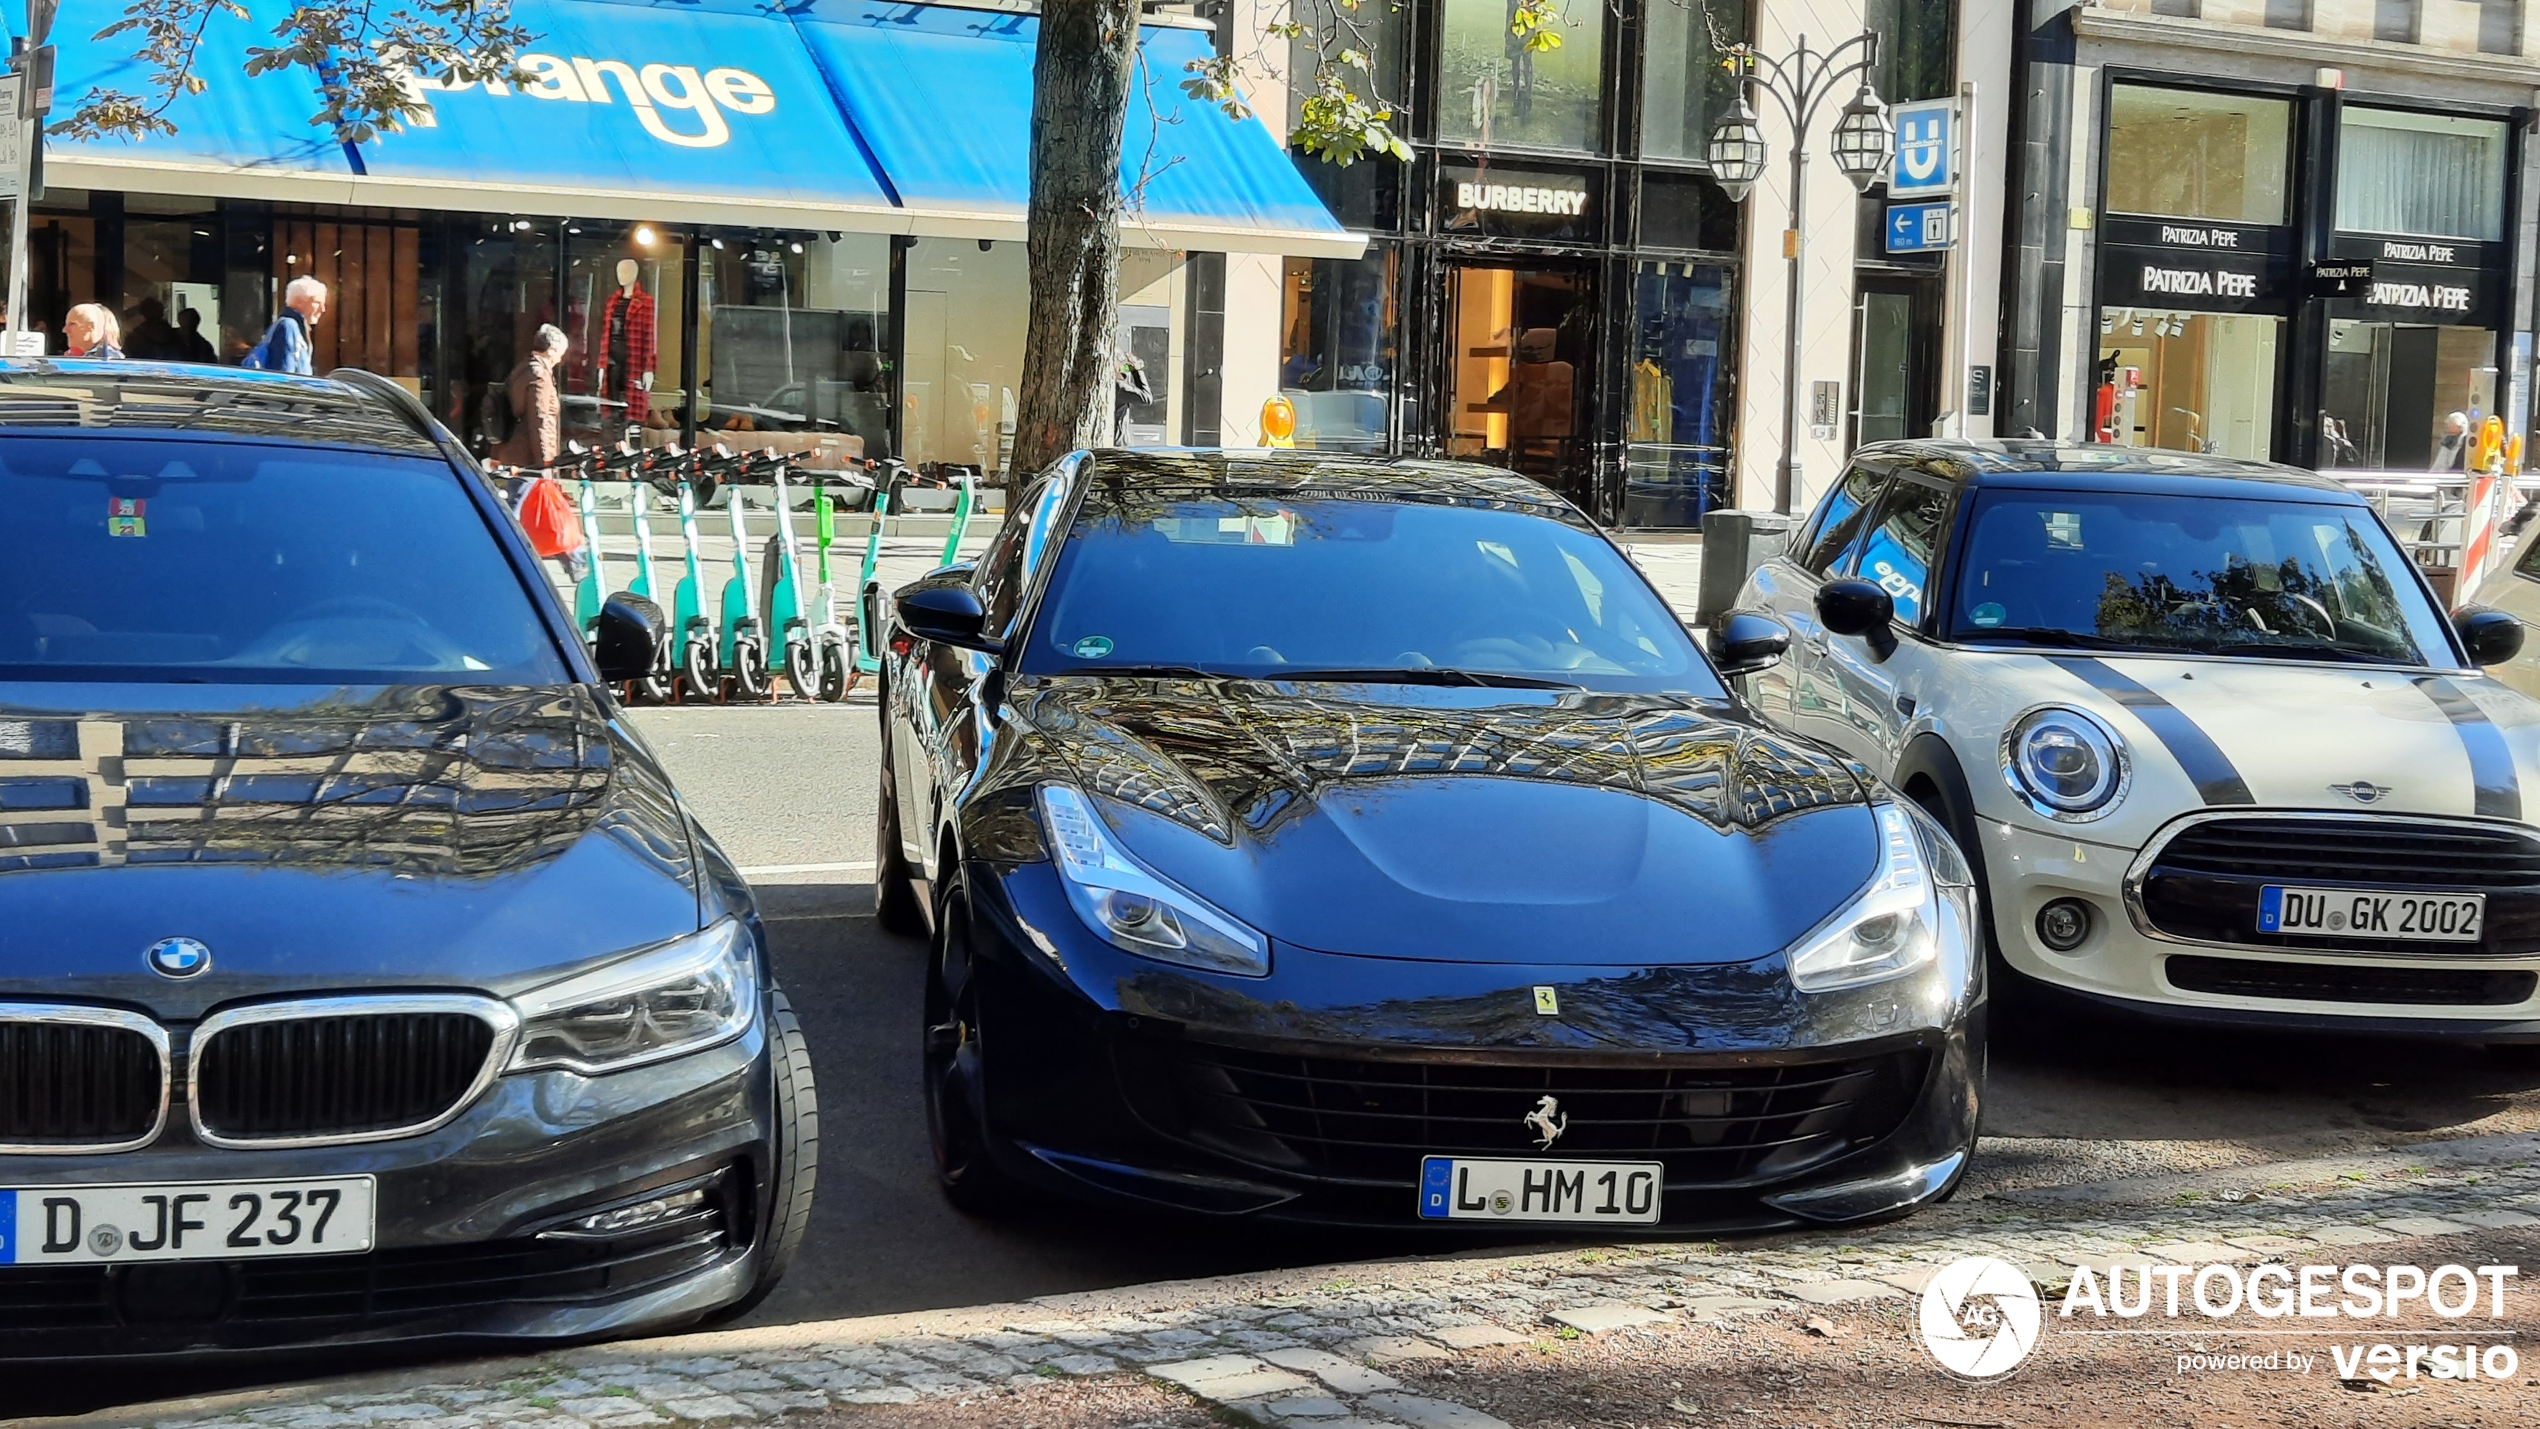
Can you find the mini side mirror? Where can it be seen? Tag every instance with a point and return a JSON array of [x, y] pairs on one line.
[[947, 615], [628, 638], [1855, 607], [1746, 643], [2490, 635]]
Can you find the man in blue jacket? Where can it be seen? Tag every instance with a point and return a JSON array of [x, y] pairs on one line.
[[286, 346]]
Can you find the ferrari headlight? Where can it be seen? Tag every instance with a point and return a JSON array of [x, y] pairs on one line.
[[1133, 907], [1895, 925], [680, 997], [2066, 764]]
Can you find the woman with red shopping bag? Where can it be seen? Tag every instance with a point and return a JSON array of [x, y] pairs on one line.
[[535, 443]]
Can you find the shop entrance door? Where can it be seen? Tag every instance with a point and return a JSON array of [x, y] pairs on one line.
[[1895, 359], [1520, 360]]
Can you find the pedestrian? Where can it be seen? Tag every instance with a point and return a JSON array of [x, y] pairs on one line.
[[2453, 454], [191, 345], [91, 331], [537, 413], [287, 346], [151, 337]]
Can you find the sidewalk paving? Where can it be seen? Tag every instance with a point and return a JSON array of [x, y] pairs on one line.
[[1395, 1343]]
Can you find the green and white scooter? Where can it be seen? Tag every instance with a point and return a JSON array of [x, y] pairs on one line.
[[741, 643], [804, 622], [693, 629], [657, 686], [590, 592]]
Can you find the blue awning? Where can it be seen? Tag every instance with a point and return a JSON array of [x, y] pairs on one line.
[[708, 110], [828, 114], [944, 98], [240, 136]]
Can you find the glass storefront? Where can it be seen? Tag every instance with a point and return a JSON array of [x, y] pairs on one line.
[[622, 285], [1493, 90], [2429, 175], [964, 316], [1680, 395], [2190, 382], [1519, 338], [1685, 86], [2395, 390], [790, 341], [2186, 153], [1340, 332]]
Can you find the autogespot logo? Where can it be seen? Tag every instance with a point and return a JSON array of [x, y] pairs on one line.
[[1979, 1317]]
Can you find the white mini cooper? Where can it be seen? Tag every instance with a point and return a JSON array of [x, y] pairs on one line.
[[2218, 751]]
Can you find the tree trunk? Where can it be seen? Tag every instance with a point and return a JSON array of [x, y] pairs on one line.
[[1080, 101]]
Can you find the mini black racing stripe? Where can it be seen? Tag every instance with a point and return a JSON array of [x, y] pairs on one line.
[[2491, 760], [2217, 782]]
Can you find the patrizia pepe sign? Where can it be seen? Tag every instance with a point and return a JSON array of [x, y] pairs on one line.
[[2426, 280], [2210, 267]]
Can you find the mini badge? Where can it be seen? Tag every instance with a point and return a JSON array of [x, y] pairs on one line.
[[1547, 1002], [124, 516]]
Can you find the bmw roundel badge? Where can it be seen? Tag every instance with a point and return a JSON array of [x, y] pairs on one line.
[[179, 957]]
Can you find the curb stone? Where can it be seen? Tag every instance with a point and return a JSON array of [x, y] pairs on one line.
[[1320, 1336]]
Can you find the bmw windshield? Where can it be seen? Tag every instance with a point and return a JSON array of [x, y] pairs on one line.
[[1299, 588], [227, 562], [2193, 575]]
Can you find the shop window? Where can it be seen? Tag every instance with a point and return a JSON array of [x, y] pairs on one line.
[[61, 268], [507, 288], [622, 295], [1684, 84], [793, 345], [1147, 398], [1339, 326], [1917, 48], [2183, 153], [373, 274], [171, 284], [1368, 193], [2392, 391], [2194, 382], [1686, 211], [966, 308], [1521, 340], [1676, 429], [2434, 175], [1493, 90]]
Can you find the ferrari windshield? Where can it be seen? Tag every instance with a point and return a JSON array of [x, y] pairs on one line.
[[146, 559], [2207, 575], [1303, 588]]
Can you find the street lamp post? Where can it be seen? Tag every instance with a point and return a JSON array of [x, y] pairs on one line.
[[1800, 82]]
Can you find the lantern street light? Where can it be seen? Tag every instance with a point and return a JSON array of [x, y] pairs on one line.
[[1800, 82]]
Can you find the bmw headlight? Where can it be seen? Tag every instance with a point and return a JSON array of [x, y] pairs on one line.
[[680, 997], [2064, 764], [1922, 895], [1132, 907]]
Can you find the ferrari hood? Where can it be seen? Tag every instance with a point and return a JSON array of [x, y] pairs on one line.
[[1487, 826], [2286, 734], [326, 840]]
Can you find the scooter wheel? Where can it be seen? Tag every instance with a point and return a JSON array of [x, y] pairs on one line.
[[837, 674], [802, 669], [696, 671], [656, 688], [749, 670]]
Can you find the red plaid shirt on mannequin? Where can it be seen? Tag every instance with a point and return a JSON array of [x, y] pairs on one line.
[[642, 346]]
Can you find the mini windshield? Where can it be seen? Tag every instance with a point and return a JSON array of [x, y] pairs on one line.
[[138, 559], [2208, 575], [1328, 589]]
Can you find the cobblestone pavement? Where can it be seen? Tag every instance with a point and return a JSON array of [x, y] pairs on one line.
[[1315, 1347]]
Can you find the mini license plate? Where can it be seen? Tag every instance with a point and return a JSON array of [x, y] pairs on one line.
[[2365, 913], [1456, 1188], [186, 1220]]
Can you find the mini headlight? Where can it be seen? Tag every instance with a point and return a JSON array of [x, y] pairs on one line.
[[2064, 763], [1897, 923], [1132, 907], [683, 996]]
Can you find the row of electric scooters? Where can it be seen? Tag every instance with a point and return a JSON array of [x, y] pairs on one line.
[[787, 618]]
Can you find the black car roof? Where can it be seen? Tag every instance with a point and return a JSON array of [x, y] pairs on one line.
[[1168, 471], [73, 394], [2040, 465]]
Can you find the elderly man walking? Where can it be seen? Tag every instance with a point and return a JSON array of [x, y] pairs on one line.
[[286, 346]]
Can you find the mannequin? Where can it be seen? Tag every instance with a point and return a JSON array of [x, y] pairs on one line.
[[624, 352]]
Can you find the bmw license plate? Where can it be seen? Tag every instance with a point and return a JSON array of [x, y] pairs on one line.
[[1456, 1188], [186, 1220], [2366, 913]]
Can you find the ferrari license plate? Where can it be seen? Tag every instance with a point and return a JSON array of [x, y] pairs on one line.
[[1457, 1188], [186, 1220], [2367, 913]]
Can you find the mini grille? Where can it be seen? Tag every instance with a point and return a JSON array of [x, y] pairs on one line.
[[1372, 1121], [70, 1085], [2313, 982], [2386, 853], [340, 1075]]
